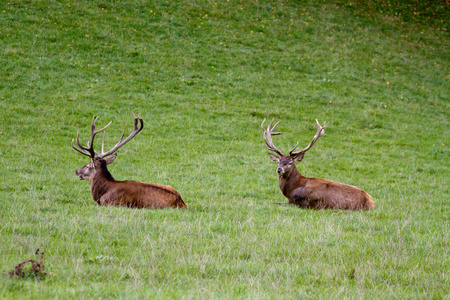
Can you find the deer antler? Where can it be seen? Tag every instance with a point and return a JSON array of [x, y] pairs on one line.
[[268, 136], [89, 151], [299, 154], [120, 143]]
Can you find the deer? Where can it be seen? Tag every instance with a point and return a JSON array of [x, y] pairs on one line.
[[312, 192], [107, 191]]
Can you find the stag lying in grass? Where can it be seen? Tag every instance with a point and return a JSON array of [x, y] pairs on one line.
[[312, 192], [108, 191]]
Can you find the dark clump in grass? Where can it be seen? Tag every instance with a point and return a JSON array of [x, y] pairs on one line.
[[37, 269]]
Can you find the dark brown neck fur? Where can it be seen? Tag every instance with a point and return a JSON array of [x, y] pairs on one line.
[[100, 182], [291, 181]]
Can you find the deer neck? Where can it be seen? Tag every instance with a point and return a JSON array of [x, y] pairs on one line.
[[291, 181], [101, 182]]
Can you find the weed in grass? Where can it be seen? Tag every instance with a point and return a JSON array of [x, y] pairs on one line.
[[36, 270]]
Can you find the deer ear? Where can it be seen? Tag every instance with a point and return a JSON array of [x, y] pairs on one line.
[[299, 158], [274, 157], [110, 159]]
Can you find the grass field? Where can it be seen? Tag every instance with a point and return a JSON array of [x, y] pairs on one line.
[[203, 75]]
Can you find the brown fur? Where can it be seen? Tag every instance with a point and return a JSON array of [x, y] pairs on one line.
[[312, 192], [108, 191], [317, 193]]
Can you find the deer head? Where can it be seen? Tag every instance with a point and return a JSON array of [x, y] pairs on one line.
[[85, 173], [287, 162], [89, 170]]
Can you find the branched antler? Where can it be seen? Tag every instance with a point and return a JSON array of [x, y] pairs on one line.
[[89, 150], [299, 154], [268, 136], [120, 143]]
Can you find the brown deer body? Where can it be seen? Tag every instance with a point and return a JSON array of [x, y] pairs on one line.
[[312, 192], [107, 191]]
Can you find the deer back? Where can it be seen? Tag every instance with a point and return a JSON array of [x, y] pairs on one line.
[[108, 191], [318, 193]]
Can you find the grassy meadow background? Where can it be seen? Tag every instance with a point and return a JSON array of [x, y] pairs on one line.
[[203, 75]]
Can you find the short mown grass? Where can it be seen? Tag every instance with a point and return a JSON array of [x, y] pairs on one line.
[[203, 75]]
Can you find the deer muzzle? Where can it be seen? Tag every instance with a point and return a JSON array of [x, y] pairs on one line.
[[83, 173]]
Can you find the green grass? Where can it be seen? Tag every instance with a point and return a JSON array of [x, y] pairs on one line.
[[203, 75]]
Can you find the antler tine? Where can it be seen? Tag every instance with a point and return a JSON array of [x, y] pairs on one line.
[[123, 132], [103, 153], [94, 132], [120, 143], [79, 144], [89, 150], [103, 143], [268, 136], [83, 150], [103, 146], [320, 132], [295, 147]]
